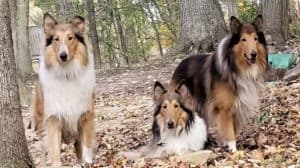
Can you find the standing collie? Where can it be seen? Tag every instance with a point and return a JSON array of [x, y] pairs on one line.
[[176, 129], [63, 107], [225, 86]]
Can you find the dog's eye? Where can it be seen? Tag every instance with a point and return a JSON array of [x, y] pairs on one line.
[[243, 39], [175, 106], [164, 106], [255, 38], [70, 38], [56, 39]]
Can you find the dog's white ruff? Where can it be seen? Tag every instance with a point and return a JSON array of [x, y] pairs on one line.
[[67, 90], [193, 140]]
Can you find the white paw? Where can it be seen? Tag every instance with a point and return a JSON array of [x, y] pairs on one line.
[[232, 146], [87, 154], [56, 164]]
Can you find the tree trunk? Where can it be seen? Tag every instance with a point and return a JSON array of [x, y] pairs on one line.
[[232, 8], [156, 30], [260, 7], [13, 16], [13, 145], [22, 52], [165, 19], [275, 12], [202, 25], [66, 10], [93, 35], [122, 40]]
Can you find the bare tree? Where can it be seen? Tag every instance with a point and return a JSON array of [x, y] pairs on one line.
[[65, 9], [202, 25], [232, 8], [156, 29], [120, 30], [275, 12], [13, 146], [19, 11], [93, 35]]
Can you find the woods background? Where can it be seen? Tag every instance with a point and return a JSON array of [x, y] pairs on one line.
[[125, 32], [137, 33]]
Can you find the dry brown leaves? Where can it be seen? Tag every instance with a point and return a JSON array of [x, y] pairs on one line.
[[124, 117]]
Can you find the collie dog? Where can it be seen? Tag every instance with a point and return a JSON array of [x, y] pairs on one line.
[[176, 129], [63, 109], [225, 85]]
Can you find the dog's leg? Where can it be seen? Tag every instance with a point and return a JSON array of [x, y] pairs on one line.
[[225, 126], [37, 109], [53, 139], [78, 149], [87, 136]]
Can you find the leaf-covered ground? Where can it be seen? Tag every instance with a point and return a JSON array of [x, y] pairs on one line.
[[124, 110]]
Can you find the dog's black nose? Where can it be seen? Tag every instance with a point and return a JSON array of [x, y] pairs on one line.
[[253, 54], [63, 56], [170, 124]]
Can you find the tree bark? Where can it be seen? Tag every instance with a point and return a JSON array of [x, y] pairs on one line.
[[232, 8], [275, 12], [93, 32], [21, 46], [13, 145], [202, 25], [13, 16], [260, 7], [66, 10]]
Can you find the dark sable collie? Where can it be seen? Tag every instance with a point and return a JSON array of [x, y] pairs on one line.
[[225, 85], [176, 129]]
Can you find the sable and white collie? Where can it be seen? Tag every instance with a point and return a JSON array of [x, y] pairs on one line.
[[225, 85], [63, 109], [176, 129]]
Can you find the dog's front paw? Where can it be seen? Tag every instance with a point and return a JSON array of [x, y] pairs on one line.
[[87, 155], [232, 146]]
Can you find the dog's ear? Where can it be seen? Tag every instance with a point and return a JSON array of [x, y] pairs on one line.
[[158, 91], [49, 24], [235, 25], [79, 24], [182, 89], [258, 23]]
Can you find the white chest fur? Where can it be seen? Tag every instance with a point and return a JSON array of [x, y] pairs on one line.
[[248, 90], [67, 90], [193, 140]]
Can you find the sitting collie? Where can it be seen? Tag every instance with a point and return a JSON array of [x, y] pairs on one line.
[[225, 85], [62, 108], [176, 129]]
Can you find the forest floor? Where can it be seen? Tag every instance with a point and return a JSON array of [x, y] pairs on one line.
[[124, 109]]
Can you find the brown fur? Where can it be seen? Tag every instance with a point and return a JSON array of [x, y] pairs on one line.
[[173, 105], [66, 34], [246, 47], [58, 131], [53, 129], [38, 108], [216, 81], [171, 111]]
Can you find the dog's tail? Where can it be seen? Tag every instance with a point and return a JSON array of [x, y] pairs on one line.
[[149, 151], [130, 155]]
